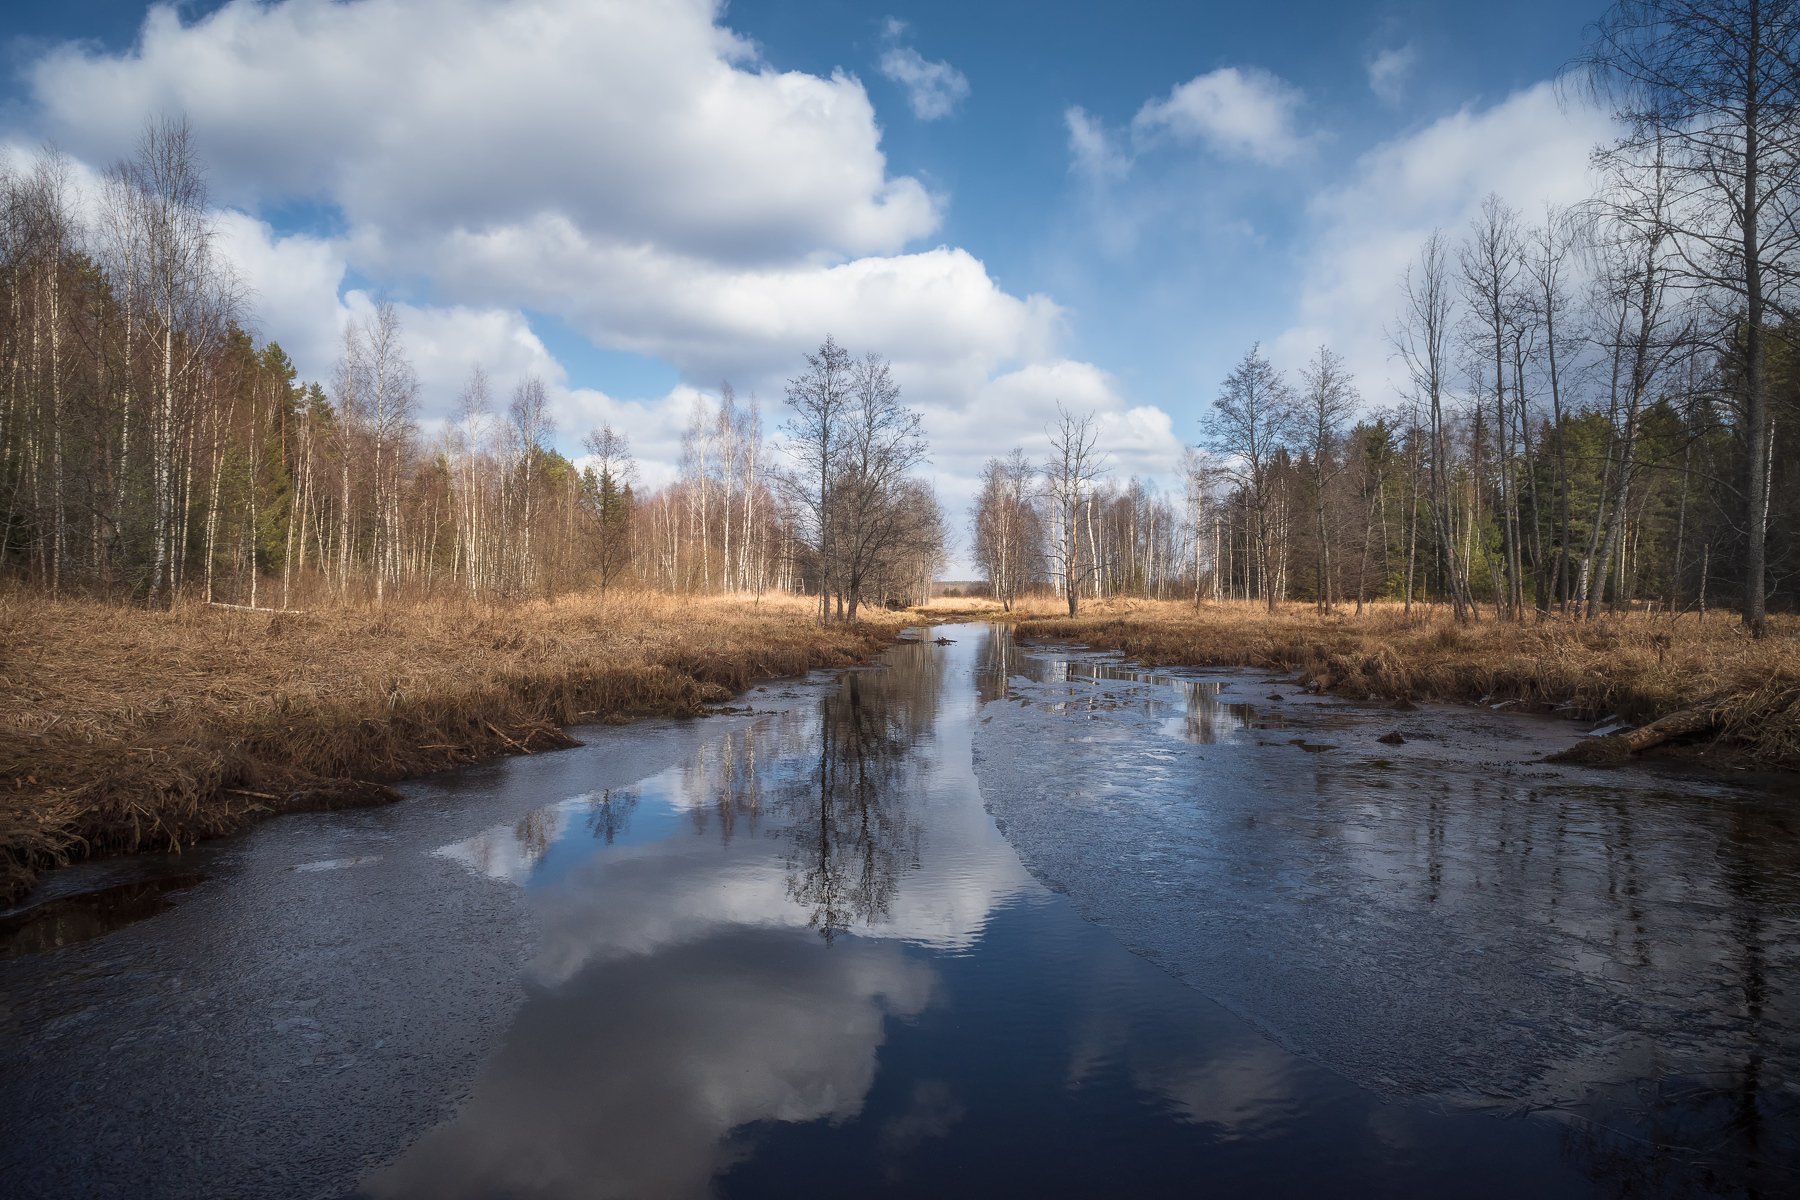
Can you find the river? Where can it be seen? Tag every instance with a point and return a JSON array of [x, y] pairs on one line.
[[985, 919]]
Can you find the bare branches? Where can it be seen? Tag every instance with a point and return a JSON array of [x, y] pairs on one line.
[[853, 445], [1710, 95], [1074, 466], [1006, 530]]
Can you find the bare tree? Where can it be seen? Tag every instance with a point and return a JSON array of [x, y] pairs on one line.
[[883, 441], [1712, 88], [1547, 256], [1074, 466], [1328, 399], [1249, 427], [1422, 342], [819, 399], [47, 221], [390, 389], [1635, 256], [1491, 262], [158, 242], [1008, 536], [916, 553], [475, 525], [609, 482], [529, 430]]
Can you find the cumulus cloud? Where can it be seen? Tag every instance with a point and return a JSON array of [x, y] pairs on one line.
[[710, 319], [633, 168], [1390, 70], [933, 89], [1237, 112], [427, 115], [296, 287], [1234, 112], [1529, 149]]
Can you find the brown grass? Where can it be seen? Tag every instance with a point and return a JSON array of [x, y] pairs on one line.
[[1635, 666], [122, 729]]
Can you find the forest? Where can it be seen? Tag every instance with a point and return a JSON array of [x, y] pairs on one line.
[[1566, 488], [1600, 404], [150, 447], [946, 600], [1601, 413], [1575, 441]]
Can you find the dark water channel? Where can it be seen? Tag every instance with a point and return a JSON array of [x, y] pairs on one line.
[[985, 920]]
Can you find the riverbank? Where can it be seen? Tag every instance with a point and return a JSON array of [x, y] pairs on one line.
[[123, 729], [1746, 692]]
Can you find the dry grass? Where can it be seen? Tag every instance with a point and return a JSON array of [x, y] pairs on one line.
[[979, 608], [1637, 667], [123, 729]]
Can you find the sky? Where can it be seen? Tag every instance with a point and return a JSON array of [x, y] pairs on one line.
[[1018, 204]]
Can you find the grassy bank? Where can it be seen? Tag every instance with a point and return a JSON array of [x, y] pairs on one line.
[[122, 729], [1639, 668]]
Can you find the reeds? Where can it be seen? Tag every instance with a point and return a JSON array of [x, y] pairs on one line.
[[1637, 667], [122, 729]]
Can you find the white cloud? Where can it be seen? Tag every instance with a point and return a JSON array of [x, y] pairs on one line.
[[1018, 408], [933, 89], [418, 116], [1390, 70], [293, 285], [980, 364], [631, 167], [1529, 149], [1093, 154], [712, 320], [1236, 112]]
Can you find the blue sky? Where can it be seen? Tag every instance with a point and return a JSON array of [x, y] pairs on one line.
[[1170, 312], [1020, 203]]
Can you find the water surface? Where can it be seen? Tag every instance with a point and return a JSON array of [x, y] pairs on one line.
[[1225, 943]]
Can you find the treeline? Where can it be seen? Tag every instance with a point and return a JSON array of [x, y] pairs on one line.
[[1600, 406], [149, 447], [1604, 472], [121, 371], [838, 512]]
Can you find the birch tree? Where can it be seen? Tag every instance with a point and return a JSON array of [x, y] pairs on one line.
[[1327, 400], [1422, 343], [819, 400], [1249, 426], [1712, 89], [1006, 533], [1070, 472]]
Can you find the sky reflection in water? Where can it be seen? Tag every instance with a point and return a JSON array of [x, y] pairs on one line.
[[805, 961]]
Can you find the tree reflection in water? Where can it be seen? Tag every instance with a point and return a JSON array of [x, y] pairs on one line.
[[1001, 661], [723, 779], [1190, 708], [854, 828], [533, 833], [1456, 924], [1722, 1130], [609, 814]]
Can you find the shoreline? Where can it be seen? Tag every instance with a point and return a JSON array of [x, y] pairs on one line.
[[131, 731], [135, 731], [1633, 668]]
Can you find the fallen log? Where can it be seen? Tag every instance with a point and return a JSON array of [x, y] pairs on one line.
[[286, 612], [1618, 747]]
